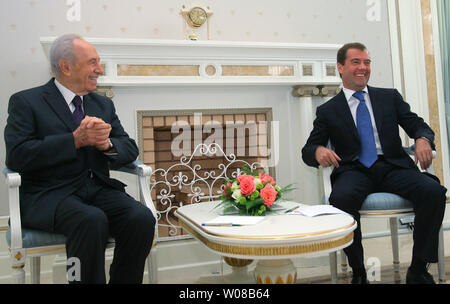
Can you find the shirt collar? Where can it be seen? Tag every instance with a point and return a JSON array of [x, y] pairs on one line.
[[66, 93], [349, 93]]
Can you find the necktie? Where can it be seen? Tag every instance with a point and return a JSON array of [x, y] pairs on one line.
[[368, 152], [78, 114]]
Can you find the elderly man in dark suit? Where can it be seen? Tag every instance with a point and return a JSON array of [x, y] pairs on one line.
[[361, 123], [62, 138]]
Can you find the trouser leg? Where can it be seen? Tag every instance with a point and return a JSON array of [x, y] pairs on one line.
[[428, 198], [349, 190], [86, 230], [132, 226]]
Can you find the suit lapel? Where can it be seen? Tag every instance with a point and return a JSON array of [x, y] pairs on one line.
[[56, 101], [377, 107], [344, 111]]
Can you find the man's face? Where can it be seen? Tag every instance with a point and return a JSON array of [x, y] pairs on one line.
[[87, 68], [355, 72]]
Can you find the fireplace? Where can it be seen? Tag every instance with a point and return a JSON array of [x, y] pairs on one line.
[[272, 88], [165, 137]]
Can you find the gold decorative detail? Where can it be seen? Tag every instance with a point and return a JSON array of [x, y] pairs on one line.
[[432, 92], [18, 256], [233, 262], [105, 91], [307, 70], [193, 36], [210, 70], [257, 70], [308, 90], [156, 70], [330, 70], [258, 280], [278, 280], [196, 17], [18, 266], [109, 93], [384, 213], [271, 251]]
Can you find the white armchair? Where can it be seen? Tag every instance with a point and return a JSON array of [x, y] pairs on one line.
[[29, 243]]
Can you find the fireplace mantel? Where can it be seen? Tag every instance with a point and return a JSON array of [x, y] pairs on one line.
[[145, 62]]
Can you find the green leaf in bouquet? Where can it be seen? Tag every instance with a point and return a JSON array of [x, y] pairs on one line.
[[254, 203]]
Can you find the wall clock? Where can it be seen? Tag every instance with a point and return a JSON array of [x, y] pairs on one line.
[[195, 16]]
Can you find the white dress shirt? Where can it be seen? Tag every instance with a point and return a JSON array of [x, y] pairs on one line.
[[353, 103]]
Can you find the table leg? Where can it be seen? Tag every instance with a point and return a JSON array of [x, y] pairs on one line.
[[275, 272], [239, 273]]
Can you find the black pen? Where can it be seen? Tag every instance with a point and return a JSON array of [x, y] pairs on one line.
[[292, 209], [222, 224]]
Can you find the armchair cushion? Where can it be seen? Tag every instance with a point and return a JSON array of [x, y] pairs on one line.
[[385, 201], [35, 238]]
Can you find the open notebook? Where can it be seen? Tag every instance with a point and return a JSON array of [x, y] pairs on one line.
[[231, 220]]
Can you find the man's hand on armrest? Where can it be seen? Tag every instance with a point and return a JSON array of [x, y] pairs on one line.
[[423, 153], [326, 157]]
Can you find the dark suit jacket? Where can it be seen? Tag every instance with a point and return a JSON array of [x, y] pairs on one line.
[[40, 146], [334, 122]]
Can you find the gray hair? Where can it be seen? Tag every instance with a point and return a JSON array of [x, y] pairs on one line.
[[62, 48]]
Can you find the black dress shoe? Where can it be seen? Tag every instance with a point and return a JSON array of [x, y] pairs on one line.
[[421, 278], [360, 279]]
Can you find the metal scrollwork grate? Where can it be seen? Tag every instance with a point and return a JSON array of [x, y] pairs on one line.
[[198, 184]]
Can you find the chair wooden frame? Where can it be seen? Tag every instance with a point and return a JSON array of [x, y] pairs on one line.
[[19, 253]]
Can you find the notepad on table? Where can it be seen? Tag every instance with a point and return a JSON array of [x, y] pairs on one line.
[[316, 210], [230, 220]]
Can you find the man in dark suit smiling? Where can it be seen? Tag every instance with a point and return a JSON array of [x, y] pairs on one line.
[[361, 123], [62, 138]]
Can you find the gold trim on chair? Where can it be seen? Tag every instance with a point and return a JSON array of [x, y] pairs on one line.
[[386, 212]]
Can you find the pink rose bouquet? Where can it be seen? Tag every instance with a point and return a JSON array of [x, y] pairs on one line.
[[252, 194]]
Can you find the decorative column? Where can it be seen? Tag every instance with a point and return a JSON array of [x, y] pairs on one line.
[[430, 66], [310, 97]]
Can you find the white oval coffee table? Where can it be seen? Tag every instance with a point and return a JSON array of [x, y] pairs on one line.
[[273, 242]]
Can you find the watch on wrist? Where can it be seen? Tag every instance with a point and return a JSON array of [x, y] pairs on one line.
[[111, 146]]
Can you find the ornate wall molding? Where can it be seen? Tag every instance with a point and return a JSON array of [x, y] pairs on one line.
[[318, 90], [145, 62]]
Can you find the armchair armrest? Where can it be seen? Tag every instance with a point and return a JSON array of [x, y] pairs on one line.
[[143, 172], [410, 150], [137, 168], [13, 181]]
